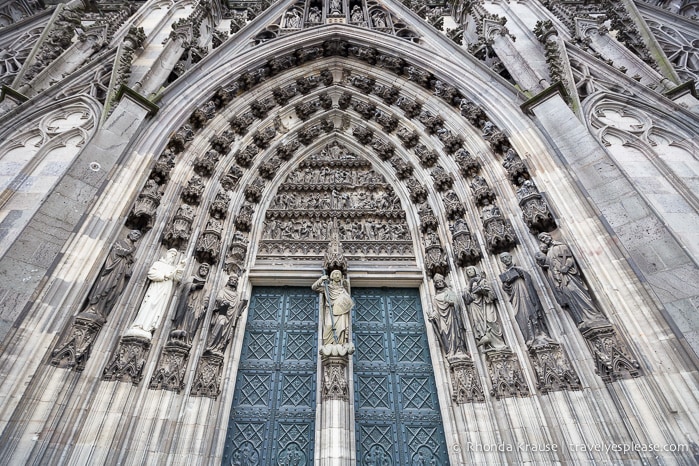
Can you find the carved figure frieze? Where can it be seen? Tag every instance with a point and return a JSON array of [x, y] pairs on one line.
[[191, 194], [219, 207], [451, 142], [334, 189], [428, 157], [286, 150], [263, 137], [432, 123], [363, 83], [472, 112], [418, 193], [363, 134], [419, 76], [230, 180], [178, 231], [367, 54], [453, 206], [535, 209], [387, 121], [345, 100], [383, 148], [307, 84], [409, 138], [236, 254], [482, 193], [205, 164], [442, 180], [242, 122], [517, 171], [203, 114], [468, 164], [245, 156], [208, 246], [142, 216], [162, 168], [310, 133], [389, 94], [499, 234], [181, 137], [365, 109], [314, 16], [243, 221], [410, 107], [403, 169], [222, 142]]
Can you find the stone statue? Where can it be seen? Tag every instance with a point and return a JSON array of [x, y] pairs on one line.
[[529, 312], [337, 305], [190, 307], [223, 323], [445, 318], [335, 7], [357, 16], [115, 272], [163, 275], [314, 15], [557, 260], [378, 19], [480, 300]]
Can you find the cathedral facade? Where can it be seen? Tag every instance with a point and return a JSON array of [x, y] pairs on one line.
[[346, 232]]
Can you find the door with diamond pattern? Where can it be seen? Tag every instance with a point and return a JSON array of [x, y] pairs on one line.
[[397, 417], [272, 419]]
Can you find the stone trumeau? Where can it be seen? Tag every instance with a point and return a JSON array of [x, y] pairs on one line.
[[499, 197]]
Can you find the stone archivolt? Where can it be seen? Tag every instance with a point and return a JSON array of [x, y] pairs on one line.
[[334, 188]]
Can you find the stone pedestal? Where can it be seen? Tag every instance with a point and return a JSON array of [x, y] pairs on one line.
[[466, 386], [74, 349], [127, 362], [171, 368], [613, 360], [336, 419]]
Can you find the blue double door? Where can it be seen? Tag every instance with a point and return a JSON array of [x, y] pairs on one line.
[[397, 420]]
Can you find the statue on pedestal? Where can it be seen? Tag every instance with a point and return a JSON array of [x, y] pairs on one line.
[[163, 276], [337, 306], [480, 300], [445, 319]]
